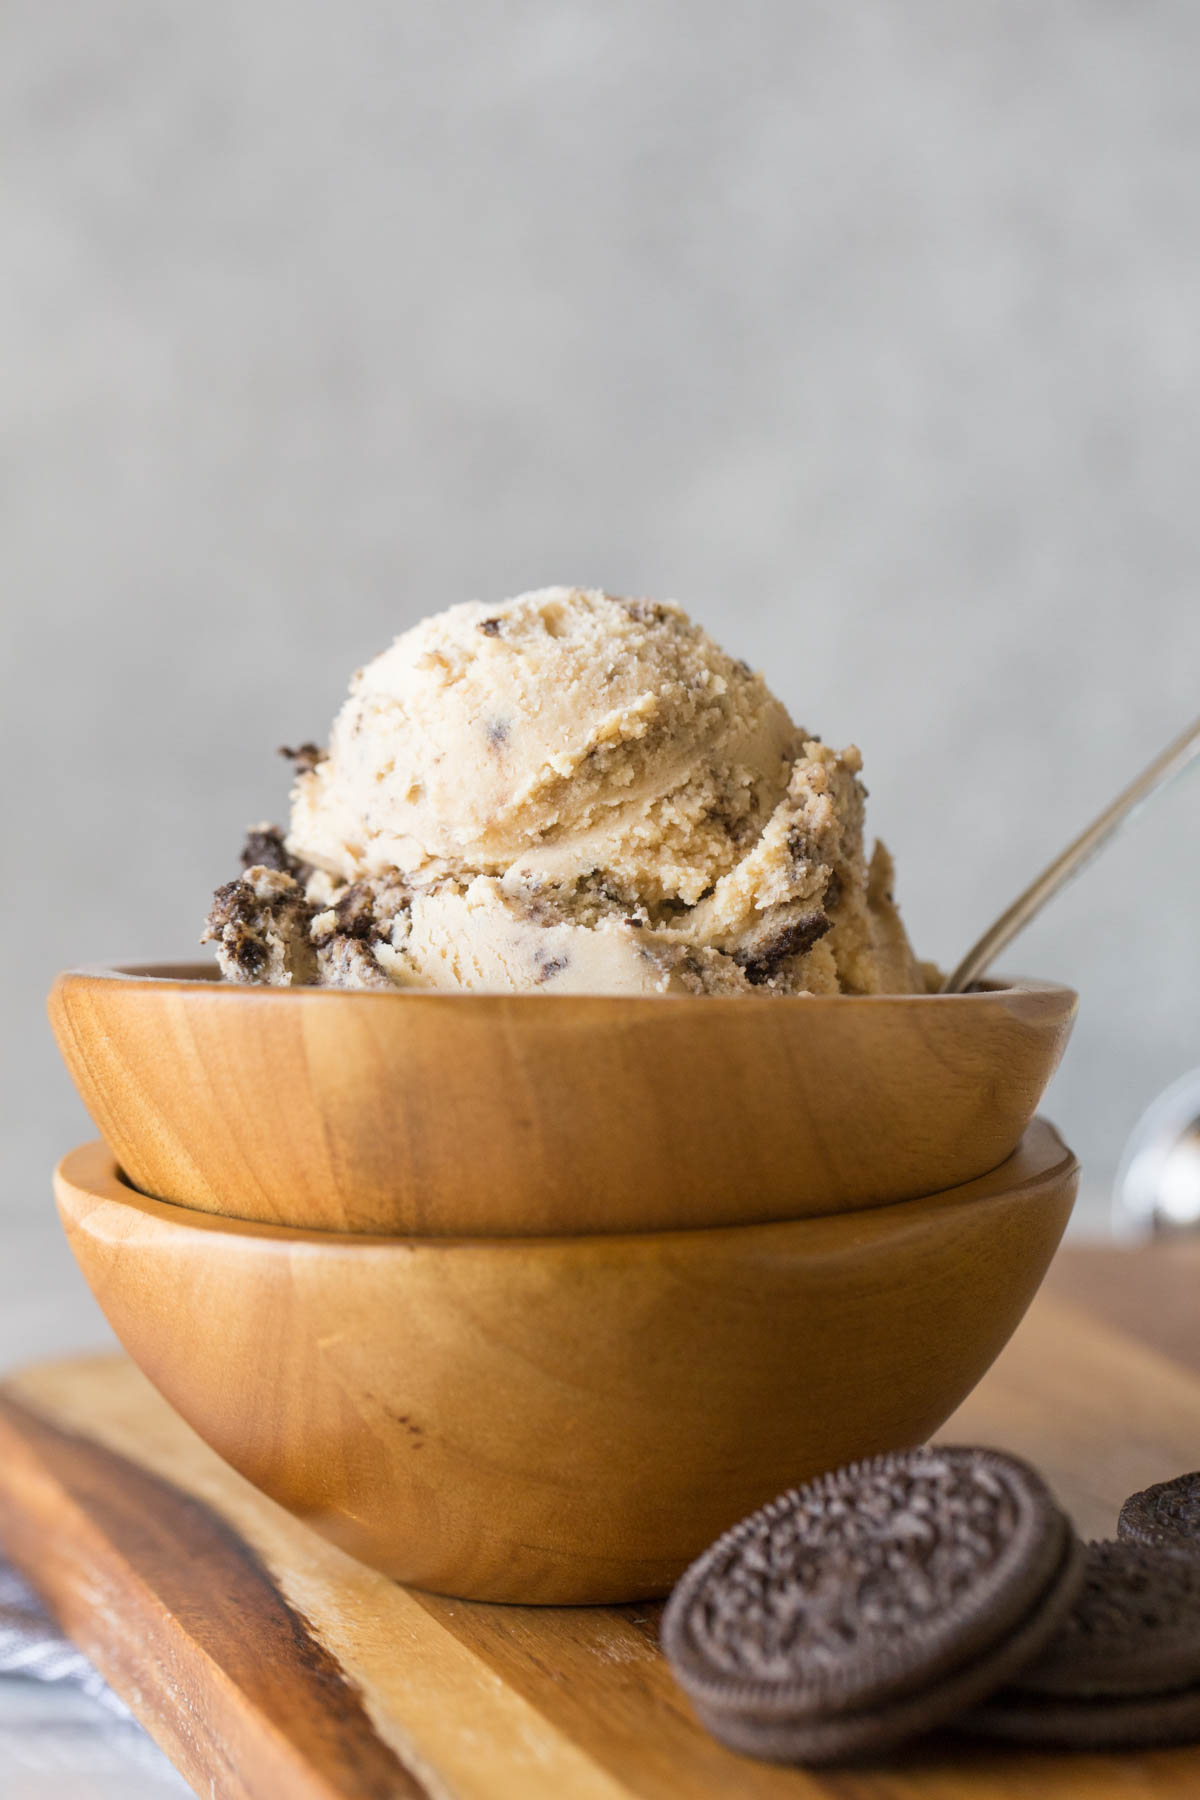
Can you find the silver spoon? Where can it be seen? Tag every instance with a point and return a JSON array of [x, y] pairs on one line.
[[1076, 856]]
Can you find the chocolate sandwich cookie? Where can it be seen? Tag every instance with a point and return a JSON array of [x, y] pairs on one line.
[[1124, 1668], [1167, 1514], [872, 1604]]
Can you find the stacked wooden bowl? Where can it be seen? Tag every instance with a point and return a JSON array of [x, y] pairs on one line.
[[525, 1298]]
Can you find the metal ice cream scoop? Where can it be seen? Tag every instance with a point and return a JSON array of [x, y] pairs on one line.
[[1026, 906], [1158, 1183]]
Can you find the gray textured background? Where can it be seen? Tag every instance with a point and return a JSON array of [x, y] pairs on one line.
[[868, 331]]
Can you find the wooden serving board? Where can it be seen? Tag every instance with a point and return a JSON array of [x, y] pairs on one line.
[[268, 1664]]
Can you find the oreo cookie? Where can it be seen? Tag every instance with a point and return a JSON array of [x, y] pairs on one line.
[[1123, 1671], [872, 1604], [1166, 1515]]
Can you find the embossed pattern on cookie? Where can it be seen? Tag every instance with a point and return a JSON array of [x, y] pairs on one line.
[[871, 1604], [1167, 1514], [1124, 1667]]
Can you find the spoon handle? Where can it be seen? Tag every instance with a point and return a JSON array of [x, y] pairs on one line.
[[1172, 761]]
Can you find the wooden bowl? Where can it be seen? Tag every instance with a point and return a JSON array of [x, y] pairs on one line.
[[489, 1113], [562, 1419]]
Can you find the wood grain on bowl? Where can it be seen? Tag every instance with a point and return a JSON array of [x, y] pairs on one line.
[[563, 1419], [519, 1114]]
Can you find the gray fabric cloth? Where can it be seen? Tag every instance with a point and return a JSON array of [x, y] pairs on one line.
[[31, 1645], [64, 1734]]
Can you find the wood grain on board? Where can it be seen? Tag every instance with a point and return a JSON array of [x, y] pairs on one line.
[[269, 1664]]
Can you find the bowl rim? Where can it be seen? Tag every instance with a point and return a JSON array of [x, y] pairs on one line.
[[93, 1170], [203, 977]]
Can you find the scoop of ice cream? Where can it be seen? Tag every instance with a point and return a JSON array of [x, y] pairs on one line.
[[569, 792], [557, 734]]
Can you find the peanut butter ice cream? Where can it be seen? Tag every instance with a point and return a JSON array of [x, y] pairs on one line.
[[567, 793]]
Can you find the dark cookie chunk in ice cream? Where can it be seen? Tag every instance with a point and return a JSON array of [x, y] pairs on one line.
[[260, 926], [264, 848], [763, 954]]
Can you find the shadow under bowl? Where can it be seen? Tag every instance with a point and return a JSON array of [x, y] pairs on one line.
[[465, 1113], [572, 1419]]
